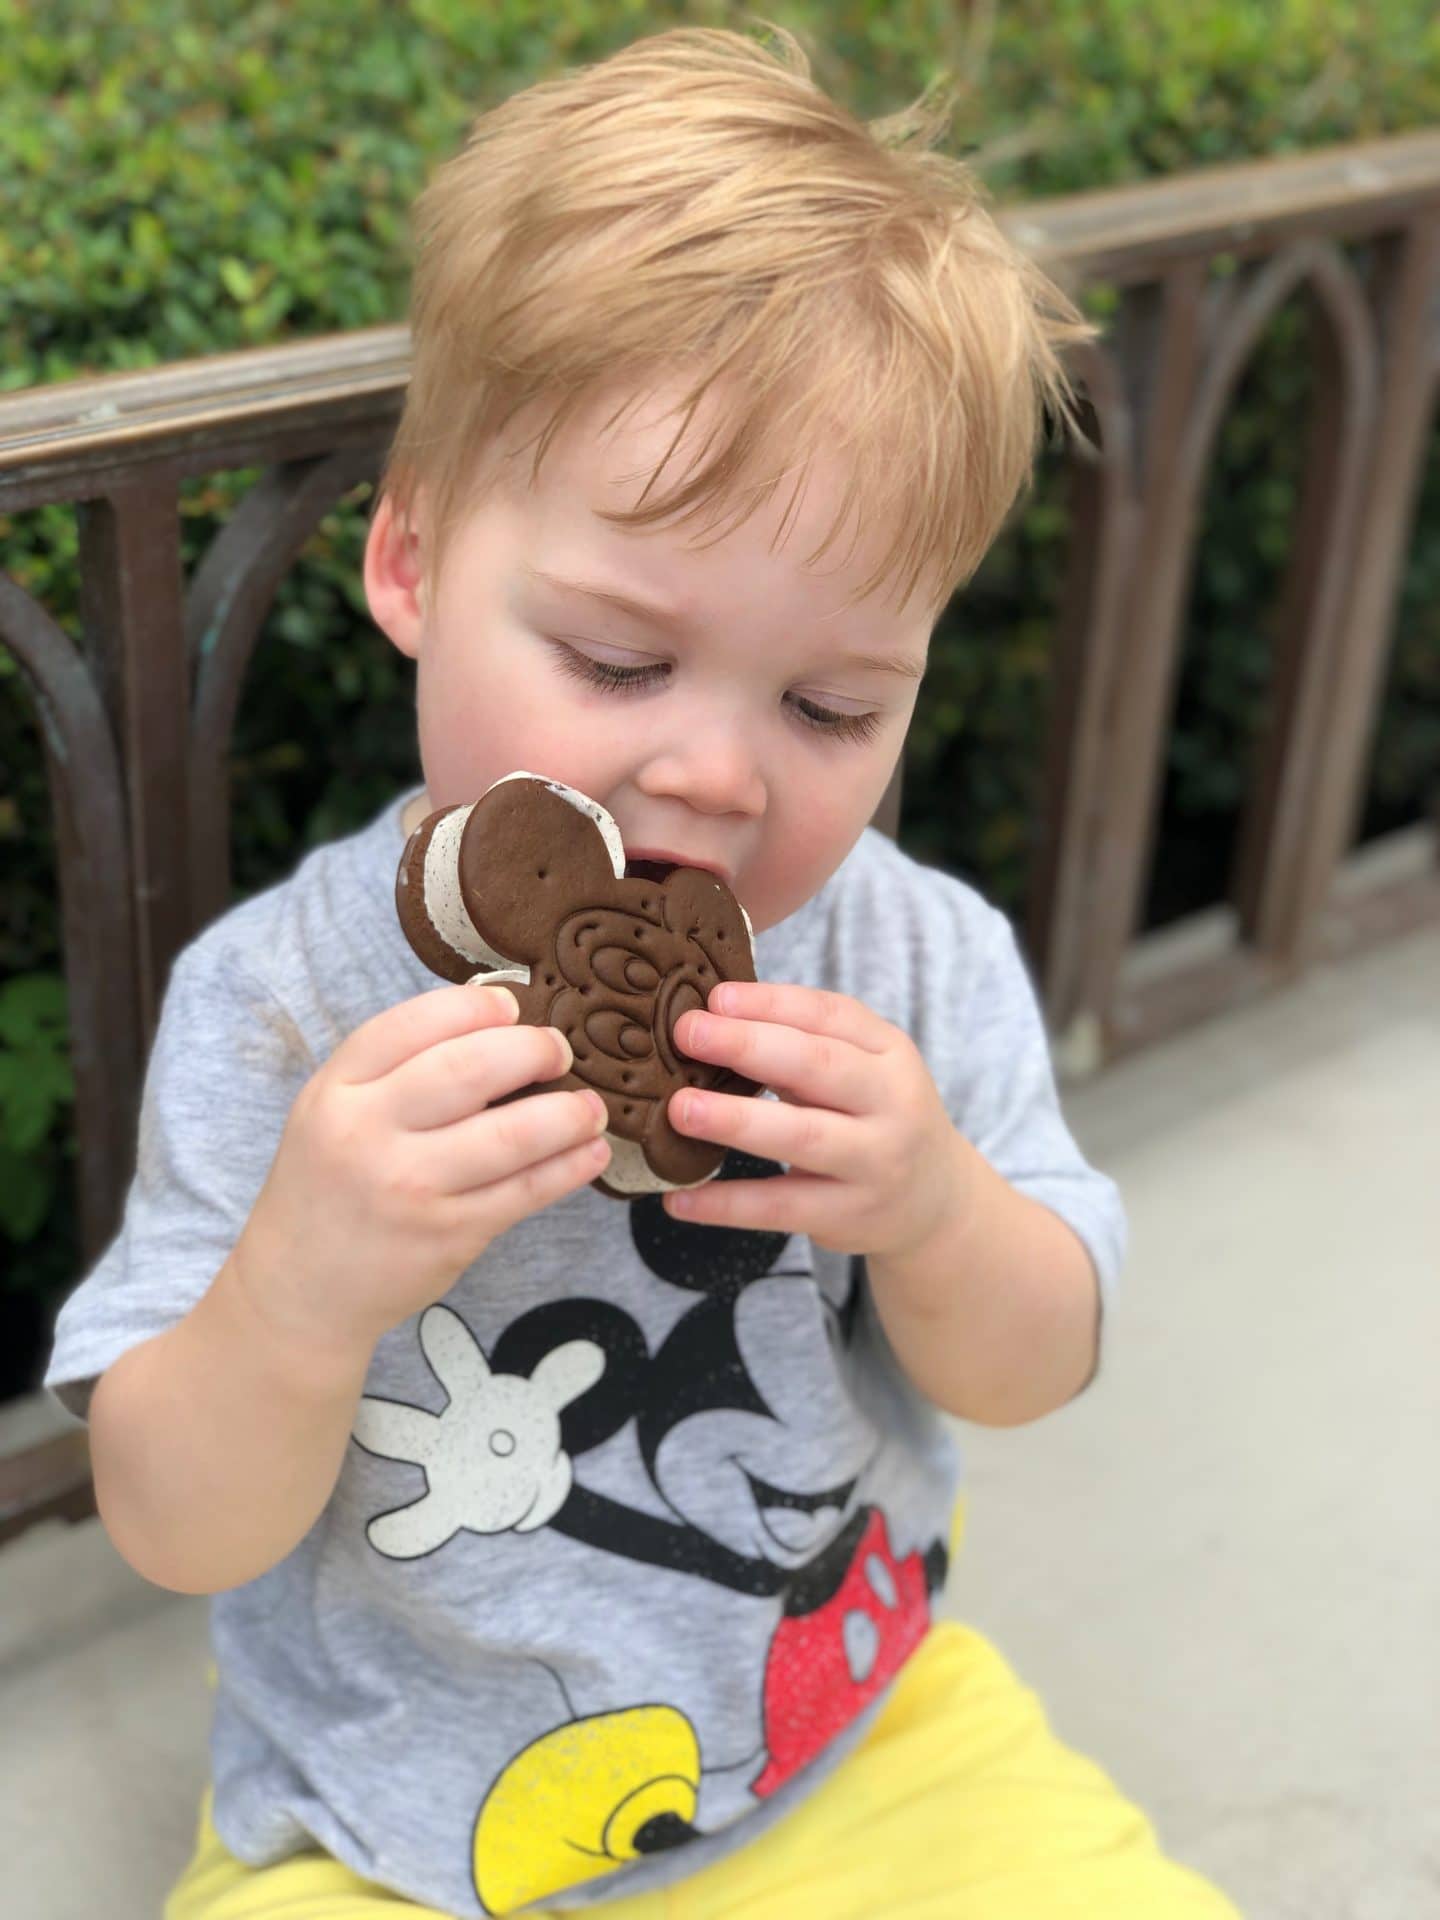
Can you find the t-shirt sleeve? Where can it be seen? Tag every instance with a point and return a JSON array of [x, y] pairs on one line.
[[1000, 1090], [224, 1068]]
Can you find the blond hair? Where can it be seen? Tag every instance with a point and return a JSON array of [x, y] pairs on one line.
[[695, 204]]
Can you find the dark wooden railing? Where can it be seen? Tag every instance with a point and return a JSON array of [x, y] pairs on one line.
[[1160, 383], [136, 721]]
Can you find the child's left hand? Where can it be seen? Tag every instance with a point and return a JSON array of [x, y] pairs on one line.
[[877, 1166]]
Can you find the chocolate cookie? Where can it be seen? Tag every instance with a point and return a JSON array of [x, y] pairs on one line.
[[526, 888]]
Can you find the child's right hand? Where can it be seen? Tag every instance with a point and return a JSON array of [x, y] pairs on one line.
[[393, 1173]]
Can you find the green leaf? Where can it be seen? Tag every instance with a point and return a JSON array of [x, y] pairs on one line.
[[26, 1190], [33, 1012], [238, 280]]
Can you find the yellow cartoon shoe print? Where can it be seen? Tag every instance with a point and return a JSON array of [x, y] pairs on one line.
[[584, 1799]]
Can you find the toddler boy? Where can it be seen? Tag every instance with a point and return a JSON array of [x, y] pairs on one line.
[[565, 1551]]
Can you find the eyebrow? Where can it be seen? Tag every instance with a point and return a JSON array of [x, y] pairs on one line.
[[659, 616]]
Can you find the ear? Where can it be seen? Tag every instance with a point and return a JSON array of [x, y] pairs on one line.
[[394, 585]]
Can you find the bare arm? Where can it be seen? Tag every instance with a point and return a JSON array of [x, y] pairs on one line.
[[996, 1317], [216, 1444]]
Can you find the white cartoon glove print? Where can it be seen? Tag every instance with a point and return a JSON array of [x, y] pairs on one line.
[[492, 1458]]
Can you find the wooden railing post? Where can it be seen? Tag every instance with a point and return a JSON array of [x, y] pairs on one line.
[[87, 795], [1408, 298], [1168, 322], [131, 607]]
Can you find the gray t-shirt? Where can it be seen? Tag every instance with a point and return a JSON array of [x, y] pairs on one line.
[[640, 1522]]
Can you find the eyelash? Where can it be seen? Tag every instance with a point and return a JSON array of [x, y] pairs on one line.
[[600, 673]]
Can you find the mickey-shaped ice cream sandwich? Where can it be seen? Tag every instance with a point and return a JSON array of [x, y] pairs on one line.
[[527, 888]]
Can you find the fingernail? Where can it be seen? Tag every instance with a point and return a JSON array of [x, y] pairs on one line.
[[596, 1104], [505, 1000], [568, 1059]]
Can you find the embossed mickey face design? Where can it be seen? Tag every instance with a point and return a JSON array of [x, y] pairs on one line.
[[614, 962], [623, 979]]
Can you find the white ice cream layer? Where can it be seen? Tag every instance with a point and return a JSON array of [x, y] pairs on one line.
[[628, 1171], [446, 908]]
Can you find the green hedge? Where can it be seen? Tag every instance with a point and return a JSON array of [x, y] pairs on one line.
[[186, 179]]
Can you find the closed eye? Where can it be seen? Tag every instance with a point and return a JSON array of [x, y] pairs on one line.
[[612, 679]]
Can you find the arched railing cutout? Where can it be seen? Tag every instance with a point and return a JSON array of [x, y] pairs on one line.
[[287, 780], [1204, 348], [1402, 784], [1304, 310], [227, 605], [88, 809]]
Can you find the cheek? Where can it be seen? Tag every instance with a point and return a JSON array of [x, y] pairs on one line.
[[824, 816], [479, 721], [802, 855], [461, 737], [831, 819]]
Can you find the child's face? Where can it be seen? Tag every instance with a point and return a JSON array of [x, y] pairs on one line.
[[708, 758]]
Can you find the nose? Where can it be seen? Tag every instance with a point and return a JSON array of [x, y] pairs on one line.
[[712, 768]]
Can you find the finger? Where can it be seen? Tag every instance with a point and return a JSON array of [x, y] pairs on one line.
[[462, 1075], [818, 1070], [795, 1203], [505, 1203], [810, 1138], [407, 1029], [835, 1016], [490, 1148]]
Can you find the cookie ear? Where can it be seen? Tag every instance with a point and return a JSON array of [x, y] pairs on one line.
[[524, 849], [701, 908]]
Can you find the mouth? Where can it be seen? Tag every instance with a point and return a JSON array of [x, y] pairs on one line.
[[649, 865], [799, 1522]]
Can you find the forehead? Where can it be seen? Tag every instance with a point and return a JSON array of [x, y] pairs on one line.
[[624, 440]]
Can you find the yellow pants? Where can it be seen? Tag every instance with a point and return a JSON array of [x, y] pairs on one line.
[[960, 1805]]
